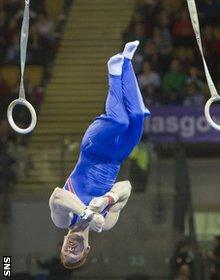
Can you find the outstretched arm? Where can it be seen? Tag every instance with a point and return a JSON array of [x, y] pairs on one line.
[[64, 205], [116, 199], [65, 201], [123, 192]]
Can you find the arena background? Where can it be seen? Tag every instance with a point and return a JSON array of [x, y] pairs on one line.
[[170, 228]]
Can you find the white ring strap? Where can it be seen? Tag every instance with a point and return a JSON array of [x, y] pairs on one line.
[[22, 100], [214, 94]]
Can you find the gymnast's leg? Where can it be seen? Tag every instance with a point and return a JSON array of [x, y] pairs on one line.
[[133, 103], [107, 127], [132, 96]]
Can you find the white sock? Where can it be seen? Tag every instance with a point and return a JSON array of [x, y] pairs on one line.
[[115, 64], [130, 49]]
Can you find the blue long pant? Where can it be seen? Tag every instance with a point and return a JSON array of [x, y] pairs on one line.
[[113, 135]]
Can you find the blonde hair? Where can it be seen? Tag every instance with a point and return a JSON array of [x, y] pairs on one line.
[[70, 265]]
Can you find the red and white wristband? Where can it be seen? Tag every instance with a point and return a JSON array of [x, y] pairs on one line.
[[112, 197]]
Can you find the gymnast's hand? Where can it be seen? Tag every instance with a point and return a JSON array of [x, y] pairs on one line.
[[98, 204], [97, 222]]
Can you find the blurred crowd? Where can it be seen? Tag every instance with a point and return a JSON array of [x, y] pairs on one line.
[[183, 261], [168, 64], [42, 37], [191, 262], [42, 46], [43, 43]]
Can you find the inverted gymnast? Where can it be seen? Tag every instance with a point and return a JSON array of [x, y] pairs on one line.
[[90, 198]]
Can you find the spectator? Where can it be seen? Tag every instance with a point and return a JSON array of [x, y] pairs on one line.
[[184, 273], [38, 6], [182, 256], [137, 63], [151, 54], [208, 35], [139, 19], [182, 29], [164, 20], [11, 30], [12, 6], [162, 41], [149, 77], [185, 57], [38, 96], [209, 11], [13, 51], [216, 259], [210, 47], [46, 32], [193, 96], [194, 77], [151, 96], [45, 29], [36, 52], [147, 7], [139, 34], [174, 80]]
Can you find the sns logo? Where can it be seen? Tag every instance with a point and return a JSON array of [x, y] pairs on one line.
[[6, 266]]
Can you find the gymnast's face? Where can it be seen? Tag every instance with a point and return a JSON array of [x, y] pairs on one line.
[[75, 246]]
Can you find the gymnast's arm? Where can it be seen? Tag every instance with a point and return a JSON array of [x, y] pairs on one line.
[[116, 199], [63, 206], [123, 192]]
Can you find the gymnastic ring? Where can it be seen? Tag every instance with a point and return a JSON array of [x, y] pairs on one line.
[[207, 111], [24, 102]]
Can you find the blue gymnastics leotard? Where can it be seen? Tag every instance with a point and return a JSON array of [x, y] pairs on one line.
[[110, 138]]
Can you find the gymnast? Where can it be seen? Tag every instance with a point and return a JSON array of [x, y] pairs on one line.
[[90, 199]]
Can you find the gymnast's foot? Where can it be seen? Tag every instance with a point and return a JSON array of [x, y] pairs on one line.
[[115, 64], [130, 49]]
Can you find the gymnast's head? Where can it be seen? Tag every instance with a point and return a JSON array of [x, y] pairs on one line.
[[75, 249]]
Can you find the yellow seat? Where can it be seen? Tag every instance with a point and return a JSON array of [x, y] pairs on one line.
[[54, 8], [174, 5], [10, 74], [35, 74]]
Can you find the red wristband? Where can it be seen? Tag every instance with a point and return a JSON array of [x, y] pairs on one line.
[[110, 199]]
